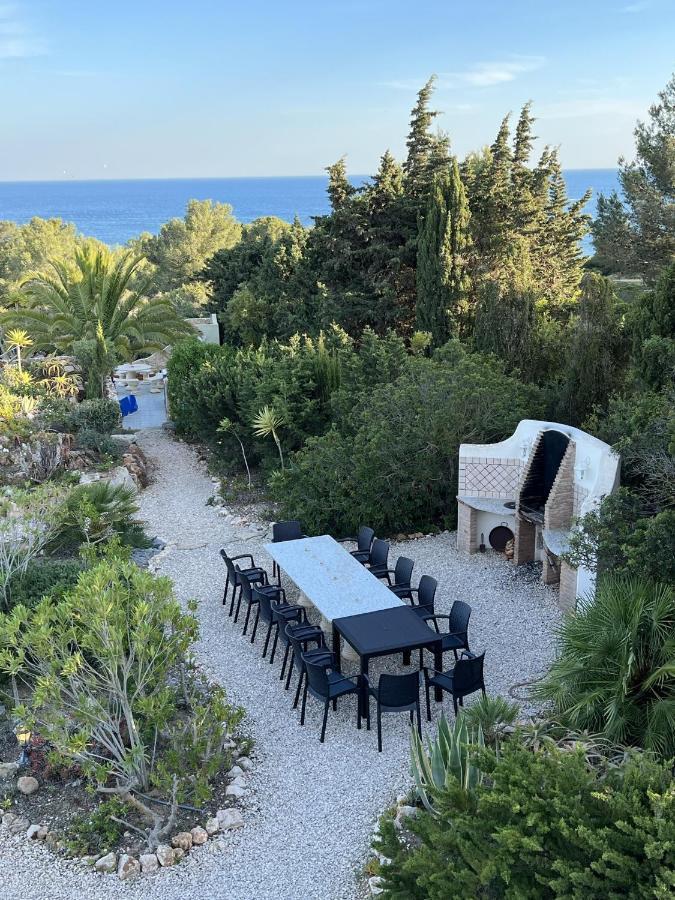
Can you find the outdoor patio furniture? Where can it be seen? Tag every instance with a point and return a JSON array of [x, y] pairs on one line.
[[233, 578], [275, 610], [298, 643], [423, 604], [378, 564], [386, 632], [305, 632], [328, 685], [457, 636], [402, 573], [246, 594], [394, 693], [285, 531], [364, 540], [466, 677]]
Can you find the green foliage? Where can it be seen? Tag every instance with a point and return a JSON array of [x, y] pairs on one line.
[[493, 716], [97, 512], [102, 416], [615, 672], [540, 825], [636, 234], [97, 832], [392, 462], [42, 578]]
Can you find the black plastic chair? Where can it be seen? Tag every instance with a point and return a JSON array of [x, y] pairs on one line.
[[379, 558], [285, 531], [233, 578], [395, 693], [423, 604], [465, 678], [320, 656], [364, 541], [246, 594], [326, 684], [276, 611], [457, 636], [402, 573], [305, 632]]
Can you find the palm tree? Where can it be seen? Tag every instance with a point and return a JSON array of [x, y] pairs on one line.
[[267, 423], [17, 339], [104, 303], [616, 670]]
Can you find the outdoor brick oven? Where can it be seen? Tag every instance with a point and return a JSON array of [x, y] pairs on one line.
[[532, 487]]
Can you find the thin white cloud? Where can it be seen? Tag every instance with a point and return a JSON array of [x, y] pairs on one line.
[[589, 107], [16, 40], [636, 7], [479, 75]]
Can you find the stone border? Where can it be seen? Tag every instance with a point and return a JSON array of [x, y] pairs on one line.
[[128, 866]]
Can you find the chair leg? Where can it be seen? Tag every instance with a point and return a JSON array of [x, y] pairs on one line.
[[419, 720], [426, 691], [227, 588], [267, 639], [379, 728], [297, 692], [274, 645], [325, 720], [255, 624], [248, 613], [290, 672], [285, 662], [236, 612], [304, 705], [454, 703], [334, 704]]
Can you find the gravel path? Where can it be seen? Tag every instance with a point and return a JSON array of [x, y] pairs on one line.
[[310, 808]]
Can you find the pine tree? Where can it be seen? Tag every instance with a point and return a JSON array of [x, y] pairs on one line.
[[524, 207], [340, 190], [442, 282], [422, 145], [490, 204]]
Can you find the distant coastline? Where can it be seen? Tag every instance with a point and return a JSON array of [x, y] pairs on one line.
[[115, 210]]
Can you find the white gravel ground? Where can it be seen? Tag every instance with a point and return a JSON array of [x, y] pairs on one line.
[[310, 808]]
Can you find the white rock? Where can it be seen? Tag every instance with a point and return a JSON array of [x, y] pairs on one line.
[[8, 770], [27, 785], [120, 476], [107, 863], [245, 763], [234, 771], [235, 791], [229, 819], [178, 854], [33, 832], [149, 863], [165, 855], [375, 885], [405, 812], [128, 867], [212, 826], [182, 841], [199, 835]]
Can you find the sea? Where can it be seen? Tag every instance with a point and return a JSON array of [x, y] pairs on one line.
[[115, 211]]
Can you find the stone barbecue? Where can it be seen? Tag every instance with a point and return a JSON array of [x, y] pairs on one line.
[[530, 489]]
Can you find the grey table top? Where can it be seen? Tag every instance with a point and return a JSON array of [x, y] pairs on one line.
[[330, 578]]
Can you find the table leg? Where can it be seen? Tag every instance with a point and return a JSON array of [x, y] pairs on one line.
[[363, 694], [406, 657], [438, 665], [336, 649]]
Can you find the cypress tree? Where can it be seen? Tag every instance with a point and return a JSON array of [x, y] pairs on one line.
[[340, 191], [422, 145]]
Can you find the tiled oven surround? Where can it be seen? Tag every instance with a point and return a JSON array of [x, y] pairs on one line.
[[489, 477]]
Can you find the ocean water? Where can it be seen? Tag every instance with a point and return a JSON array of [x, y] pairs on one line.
[[115, 211]]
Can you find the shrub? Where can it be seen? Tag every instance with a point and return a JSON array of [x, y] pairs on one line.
[[102, 416], [540, 825], [92, 513], [51, 578], [615, 673], [99, 831], [101, 443], [394, 463]]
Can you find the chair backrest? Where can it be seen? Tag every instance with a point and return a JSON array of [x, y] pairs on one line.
[[286, 531], [317, 678], [365, 537], [246, 590], [231, 571], [379, 553], [426, 592], [403, 570], [399, 690], [468, 675], [460, 614], [264, 600]]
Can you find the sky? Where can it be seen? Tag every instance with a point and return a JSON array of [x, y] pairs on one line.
[[214, 88]]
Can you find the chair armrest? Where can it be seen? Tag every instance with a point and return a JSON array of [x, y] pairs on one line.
[[244, 556]]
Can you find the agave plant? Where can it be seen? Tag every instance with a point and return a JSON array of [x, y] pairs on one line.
[[445, 759], [267, 423], [615, 674]]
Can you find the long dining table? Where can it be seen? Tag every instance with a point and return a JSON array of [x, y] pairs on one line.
[[352, 601]]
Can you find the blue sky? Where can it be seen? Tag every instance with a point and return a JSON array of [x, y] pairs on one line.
[[204, 88]]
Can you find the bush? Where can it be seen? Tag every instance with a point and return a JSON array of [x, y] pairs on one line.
[[540, 825], [394, 463], [92, 513], [615, 673], [102, 416], [101, 443], [44, 578], [97, 832]]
